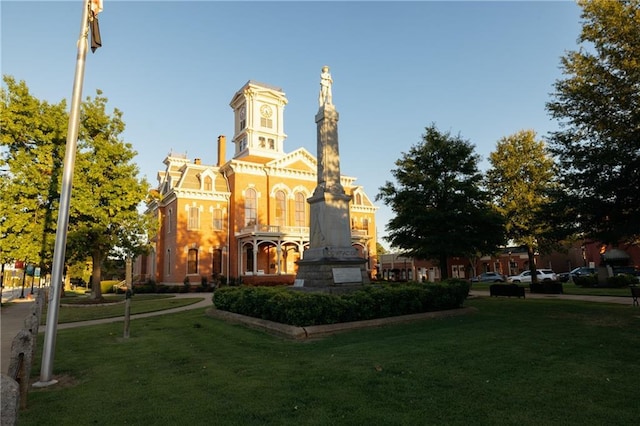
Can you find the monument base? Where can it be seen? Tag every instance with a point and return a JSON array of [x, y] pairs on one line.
[[331, 275]]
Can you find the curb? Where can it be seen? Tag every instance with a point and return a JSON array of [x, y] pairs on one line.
[[319, 331]]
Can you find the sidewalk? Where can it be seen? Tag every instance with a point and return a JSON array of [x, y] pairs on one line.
[[12, 318], [13, 315]]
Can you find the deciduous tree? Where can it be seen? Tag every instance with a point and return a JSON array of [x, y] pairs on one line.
[[107, 192], [439, 205], [103, 216], [32, 139], [520, 181], [598, 105]]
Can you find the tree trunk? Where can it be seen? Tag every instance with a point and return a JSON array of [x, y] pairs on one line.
[[444, 270], [96, 275], [532, 264]]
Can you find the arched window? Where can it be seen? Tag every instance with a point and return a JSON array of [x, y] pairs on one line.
[[301, 211], [281, 208], [208, 183], [358, 199], [168, 261], [169, 222], [250, 207], [192, 261]]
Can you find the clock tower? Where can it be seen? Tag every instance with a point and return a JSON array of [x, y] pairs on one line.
[[258, 109]]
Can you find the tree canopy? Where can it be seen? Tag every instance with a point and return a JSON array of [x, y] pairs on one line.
[[521, 180], [32, 139], [598, 105], [106, 193], [439, 205]]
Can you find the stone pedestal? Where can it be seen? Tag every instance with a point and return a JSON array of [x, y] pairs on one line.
[[331, 270]]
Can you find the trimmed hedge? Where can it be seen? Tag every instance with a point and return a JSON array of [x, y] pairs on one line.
[[286, 306], [617, 281]]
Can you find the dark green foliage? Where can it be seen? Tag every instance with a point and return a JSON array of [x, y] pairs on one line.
[[617, 281], [598, 105], [440, 208], [281, 304], [586, 281], [621, 281]]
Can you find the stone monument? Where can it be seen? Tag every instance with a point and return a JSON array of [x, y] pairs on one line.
[[330, 264]]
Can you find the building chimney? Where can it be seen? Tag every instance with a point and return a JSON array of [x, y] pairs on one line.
[[197, 161], [222, 147]]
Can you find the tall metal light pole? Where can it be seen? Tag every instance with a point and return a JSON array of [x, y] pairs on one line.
[[63, 214]]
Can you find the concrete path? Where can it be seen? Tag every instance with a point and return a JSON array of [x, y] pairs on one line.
[[14, 313]]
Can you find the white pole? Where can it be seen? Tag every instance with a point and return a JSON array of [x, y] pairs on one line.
[[63, 213]]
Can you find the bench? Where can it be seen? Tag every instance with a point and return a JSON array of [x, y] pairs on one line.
[[635, 292], [506, 290]]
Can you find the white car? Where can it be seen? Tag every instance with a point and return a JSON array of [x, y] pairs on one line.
[[525, 276]]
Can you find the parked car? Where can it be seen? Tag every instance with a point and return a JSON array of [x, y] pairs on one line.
[[626, 270], [575, 273], [489, 277], [525, 276], [631, 271]]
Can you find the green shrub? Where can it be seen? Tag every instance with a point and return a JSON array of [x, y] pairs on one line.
[[281, 304], [186, 285], [621, 280], [586, 280]]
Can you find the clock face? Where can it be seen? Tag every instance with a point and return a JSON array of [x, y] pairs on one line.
[[266, 111]]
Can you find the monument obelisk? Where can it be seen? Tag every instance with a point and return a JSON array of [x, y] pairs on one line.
[[330, 264]]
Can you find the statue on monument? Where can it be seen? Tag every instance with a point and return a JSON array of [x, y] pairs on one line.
[[325, 87]]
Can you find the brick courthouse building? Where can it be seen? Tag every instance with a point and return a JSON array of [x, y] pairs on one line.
[[247, 217]]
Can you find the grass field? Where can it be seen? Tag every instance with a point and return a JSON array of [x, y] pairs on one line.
[[571, 288], [514, 362], [73, 308]]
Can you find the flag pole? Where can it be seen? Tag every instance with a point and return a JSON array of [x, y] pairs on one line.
[[46, 369]]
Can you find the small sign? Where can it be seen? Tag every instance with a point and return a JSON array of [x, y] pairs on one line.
[[29, 270], [347, 275], [298, 283]]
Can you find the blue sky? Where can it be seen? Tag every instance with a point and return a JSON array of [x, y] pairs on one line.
[[480, 69]]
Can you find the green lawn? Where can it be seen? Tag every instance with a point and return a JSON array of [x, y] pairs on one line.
[[570, 288], [139, 304], [514, 362]]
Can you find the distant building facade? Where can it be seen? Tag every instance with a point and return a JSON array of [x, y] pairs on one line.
[[507, 261], [246, 218]]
